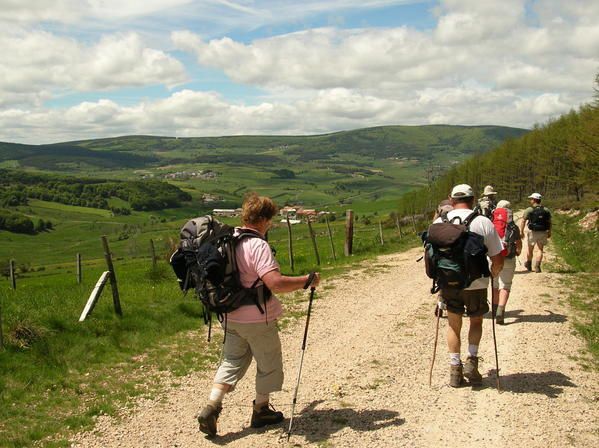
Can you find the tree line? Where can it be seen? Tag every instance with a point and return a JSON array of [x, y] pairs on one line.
[[557, 159], [19, 223], [17, 186]]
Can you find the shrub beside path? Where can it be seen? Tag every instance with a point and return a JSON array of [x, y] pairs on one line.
[[365, 377]]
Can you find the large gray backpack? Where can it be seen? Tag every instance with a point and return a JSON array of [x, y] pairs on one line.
[[205, 261]]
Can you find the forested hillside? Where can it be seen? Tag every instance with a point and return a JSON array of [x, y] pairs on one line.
[[16, 187], [557, 159]]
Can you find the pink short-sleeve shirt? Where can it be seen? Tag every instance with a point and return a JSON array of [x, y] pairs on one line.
[[254, 260]]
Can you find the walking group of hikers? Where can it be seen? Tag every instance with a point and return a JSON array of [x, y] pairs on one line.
[[236, 276], [459, 245]]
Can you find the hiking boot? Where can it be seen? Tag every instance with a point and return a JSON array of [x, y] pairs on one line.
[[538, 268], [267, 415], [208, 417], [528, 265], [471, 370], [456, 378]]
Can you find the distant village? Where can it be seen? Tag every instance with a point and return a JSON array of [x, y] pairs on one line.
[[295, 214], [182, 175]]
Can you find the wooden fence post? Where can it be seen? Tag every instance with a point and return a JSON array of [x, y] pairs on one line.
[[94, 296], [414, 223], [290, 244], [398, 226], [349, 232], [313, 238], [330, 237], [113, 284], [381, 232], [153, 252], [13, 278], [78, 269]]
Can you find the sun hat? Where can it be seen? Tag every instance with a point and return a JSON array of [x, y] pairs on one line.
[[462, 191], [536, 196], [489, 190], [504, 204]]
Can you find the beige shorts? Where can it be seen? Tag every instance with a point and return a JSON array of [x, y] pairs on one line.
[[536, 236], [504, 281], [259, 341]]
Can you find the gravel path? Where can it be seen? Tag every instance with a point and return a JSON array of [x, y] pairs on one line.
[[365, 377]]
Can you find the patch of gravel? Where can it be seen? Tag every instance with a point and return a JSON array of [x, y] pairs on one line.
[[365, 377]]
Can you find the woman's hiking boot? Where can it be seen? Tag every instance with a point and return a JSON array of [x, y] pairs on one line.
[[456, 377], [538, 268], [471, 371], [528, 265], [266, 415], [208, 417]]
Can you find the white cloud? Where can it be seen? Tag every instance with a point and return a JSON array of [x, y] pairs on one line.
[[35, 64], [490, 43], [513, 62], [193, 113]]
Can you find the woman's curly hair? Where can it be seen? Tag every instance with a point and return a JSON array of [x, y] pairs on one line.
[[256, 208]]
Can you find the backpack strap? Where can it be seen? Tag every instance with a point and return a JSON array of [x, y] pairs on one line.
[[470, 218], [248, 233]]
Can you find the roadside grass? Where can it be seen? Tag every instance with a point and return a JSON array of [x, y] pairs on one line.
[[57, 375], [580, 251]]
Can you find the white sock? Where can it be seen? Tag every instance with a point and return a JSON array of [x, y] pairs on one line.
[[262, 398], [473, 350], [217, 395], [454, 359]]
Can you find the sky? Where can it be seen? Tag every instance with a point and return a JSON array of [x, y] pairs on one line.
[[83, 69]]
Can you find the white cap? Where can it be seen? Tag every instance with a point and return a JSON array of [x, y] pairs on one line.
[[462, 191], [489, 190], [536, 196], [504, 204]]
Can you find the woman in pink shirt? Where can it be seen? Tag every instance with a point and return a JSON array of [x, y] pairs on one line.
[[252, 332]]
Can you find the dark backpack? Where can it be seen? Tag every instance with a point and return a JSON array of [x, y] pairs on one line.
[[454, 256], [205, 261], [511, 237], [539, 219]]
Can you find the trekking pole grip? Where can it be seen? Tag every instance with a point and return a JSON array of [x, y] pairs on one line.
[[310, 280]]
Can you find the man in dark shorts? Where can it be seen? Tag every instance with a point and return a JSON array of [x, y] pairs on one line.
[[473, 300]]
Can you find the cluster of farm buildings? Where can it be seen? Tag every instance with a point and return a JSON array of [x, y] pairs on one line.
[[295, 214]]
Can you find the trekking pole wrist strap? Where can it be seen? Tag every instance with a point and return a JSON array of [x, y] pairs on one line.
[[310, 280]]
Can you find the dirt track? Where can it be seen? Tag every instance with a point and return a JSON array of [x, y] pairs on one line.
[[365, 377]]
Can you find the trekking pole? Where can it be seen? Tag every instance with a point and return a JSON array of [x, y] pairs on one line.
[[299, 372], [430, 375], [493, 314]]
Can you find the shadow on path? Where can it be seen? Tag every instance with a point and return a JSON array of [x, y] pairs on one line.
[[319, 424], [535, 318], [550, 384]]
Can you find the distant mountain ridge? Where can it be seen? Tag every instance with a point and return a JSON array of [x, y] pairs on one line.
[[420, 142]]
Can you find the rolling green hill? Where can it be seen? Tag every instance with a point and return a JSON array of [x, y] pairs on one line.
[[65, 157], [421, 142], [139, 183]]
